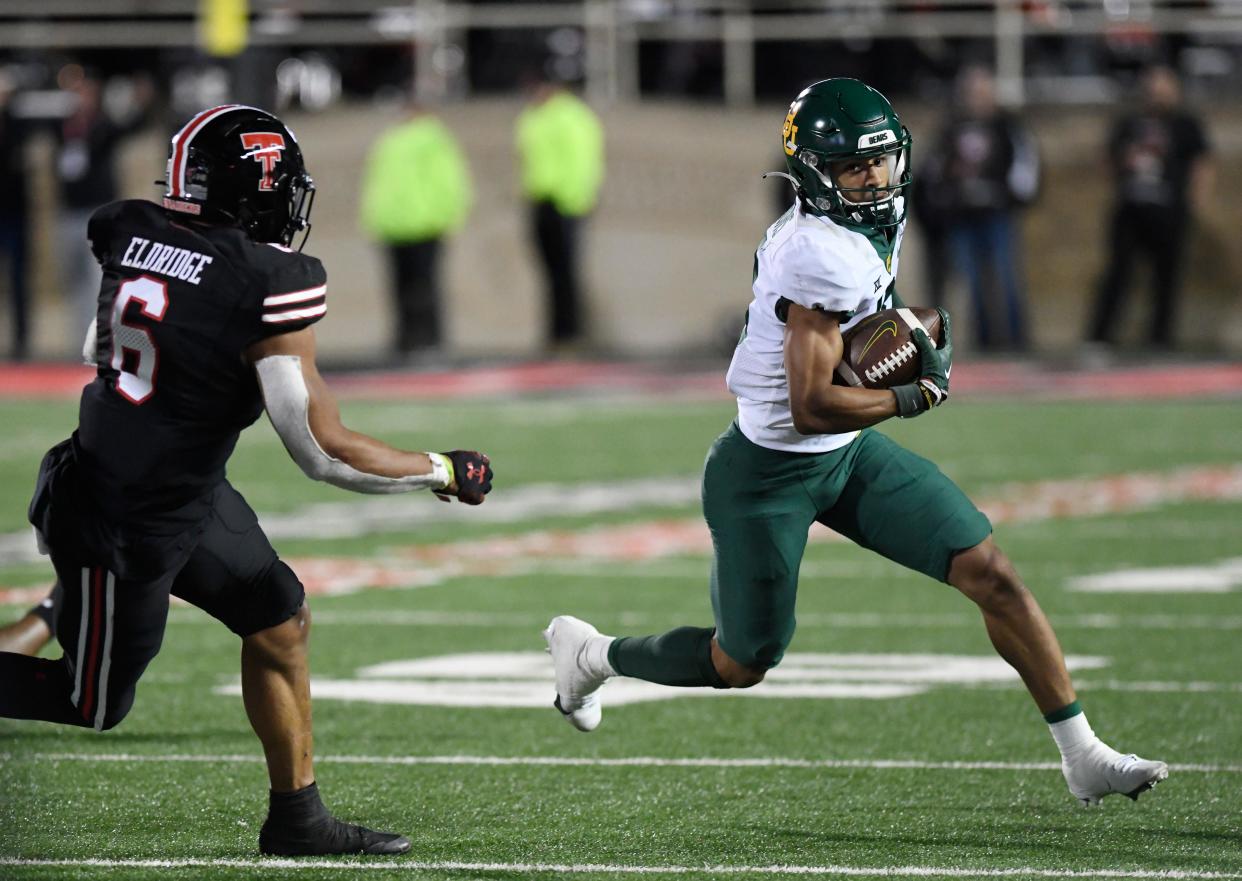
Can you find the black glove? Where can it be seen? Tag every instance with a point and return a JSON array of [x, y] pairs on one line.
[[471, 479], [931, 389]]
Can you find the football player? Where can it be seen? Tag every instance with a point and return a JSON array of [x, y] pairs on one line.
[[803, 450], [205, 319]]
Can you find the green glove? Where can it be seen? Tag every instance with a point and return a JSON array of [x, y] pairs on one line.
[[931, 389]]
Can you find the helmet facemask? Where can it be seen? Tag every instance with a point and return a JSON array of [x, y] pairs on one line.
[[301, 200], [290, 215], [871, 206]]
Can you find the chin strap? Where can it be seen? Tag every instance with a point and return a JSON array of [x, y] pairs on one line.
[[789, 177]]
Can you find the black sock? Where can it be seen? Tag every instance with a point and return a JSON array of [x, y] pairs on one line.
[[298, 824], [45, 611], [297, 809], [679, 657]]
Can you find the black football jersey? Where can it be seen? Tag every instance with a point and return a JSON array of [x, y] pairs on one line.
[[178, 306]]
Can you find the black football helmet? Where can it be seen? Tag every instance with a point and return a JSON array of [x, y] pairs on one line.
[[242, 166]]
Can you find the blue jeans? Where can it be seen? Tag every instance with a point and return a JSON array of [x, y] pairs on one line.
[[985, 252]]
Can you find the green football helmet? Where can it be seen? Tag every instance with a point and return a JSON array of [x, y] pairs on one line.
[[838, 119]]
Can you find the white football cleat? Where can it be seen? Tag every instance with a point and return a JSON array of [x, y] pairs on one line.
[[1099, 770], [577, 684]]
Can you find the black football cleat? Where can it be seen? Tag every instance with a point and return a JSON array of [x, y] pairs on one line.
[[327, 837]]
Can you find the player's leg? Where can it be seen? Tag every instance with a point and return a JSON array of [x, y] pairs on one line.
[[31, 632], [235, 576], [1015, 623], [1022, 636], [902, 506], [758, 509], [110, 628]]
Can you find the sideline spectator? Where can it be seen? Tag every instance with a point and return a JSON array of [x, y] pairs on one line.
[[416, 191], [929, 206], [983, 168], [561, 146], [87, 141], [1160, 159], [14, 219]]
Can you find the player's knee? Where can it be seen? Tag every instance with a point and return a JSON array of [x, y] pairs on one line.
[[736, 673], [115, 712], [743, 677], [278, 644], [277, 598], [986, 575]]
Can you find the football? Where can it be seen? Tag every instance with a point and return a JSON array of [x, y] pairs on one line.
[[879, 352]]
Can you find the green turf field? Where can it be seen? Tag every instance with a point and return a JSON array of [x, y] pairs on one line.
[[889, 743]]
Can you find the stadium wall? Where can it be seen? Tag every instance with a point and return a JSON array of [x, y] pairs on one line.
[[668, 253]]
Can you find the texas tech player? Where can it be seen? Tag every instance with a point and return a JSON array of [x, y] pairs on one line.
[[205, 318]]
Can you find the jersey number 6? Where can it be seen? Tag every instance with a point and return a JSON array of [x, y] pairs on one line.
[[137, 383]]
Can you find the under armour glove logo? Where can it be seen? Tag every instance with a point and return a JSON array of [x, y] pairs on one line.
[[472, 475]]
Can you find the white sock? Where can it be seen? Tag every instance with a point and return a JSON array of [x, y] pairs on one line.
[[595, 654], [1072, 734]]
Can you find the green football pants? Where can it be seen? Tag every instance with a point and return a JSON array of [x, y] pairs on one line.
[[759, 504]]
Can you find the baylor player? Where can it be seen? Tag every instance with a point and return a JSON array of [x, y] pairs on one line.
[[205, 320], [802, 450]]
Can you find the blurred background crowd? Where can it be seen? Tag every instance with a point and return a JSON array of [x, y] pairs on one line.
[[583, 177]]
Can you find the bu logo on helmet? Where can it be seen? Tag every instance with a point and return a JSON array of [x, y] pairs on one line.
[[266, 149], [789, 132]]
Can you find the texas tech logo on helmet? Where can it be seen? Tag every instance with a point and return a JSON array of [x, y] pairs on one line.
[[266, 149]]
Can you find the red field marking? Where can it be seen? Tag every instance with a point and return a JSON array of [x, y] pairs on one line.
[[43, 380], [969, 379]]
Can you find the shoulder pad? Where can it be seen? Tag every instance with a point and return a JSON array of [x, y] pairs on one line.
[[294, 290]]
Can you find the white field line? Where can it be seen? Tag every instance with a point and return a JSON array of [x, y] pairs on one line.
[[400, 865], [585, 762]]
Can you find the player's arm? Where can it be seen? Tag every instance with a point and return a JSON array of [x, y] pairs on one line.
[[305, 415], [813, 349]]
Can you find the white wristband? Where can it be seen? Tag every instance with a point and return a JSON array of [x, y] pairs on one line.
[[441, 470]]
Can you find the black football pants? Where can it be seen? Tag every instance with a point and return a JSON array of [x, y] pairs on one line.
[[111, 627]]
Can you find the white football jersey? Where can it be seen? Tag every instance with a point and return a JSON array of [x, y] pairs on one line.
[[819, 264]]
